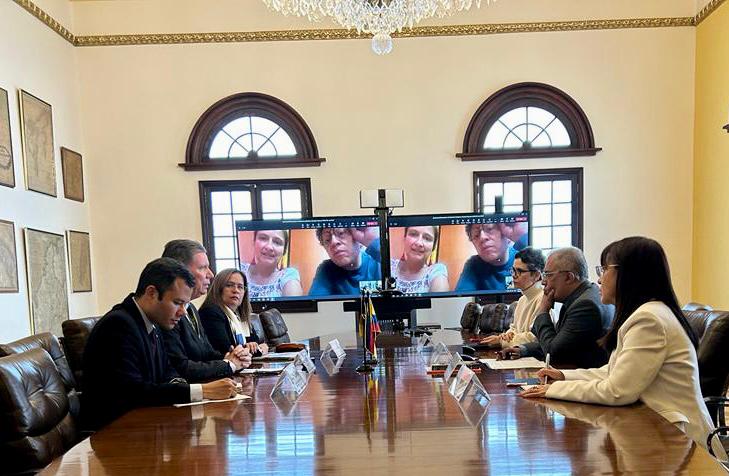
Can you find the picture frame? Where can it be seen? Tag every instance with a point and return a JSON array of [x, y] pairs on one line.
[[73, 174], [45, 258], [36, 128], [7, 165], [79, 258], [8, 258]]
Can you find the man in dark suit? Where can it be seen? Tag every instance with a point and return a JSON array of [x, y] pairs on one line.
[[125, 362], [187, 344], [583, 318]]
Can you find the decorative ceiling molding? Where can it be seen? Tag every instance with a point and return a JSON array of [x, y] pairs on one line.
[[707, 10], [343, 34]]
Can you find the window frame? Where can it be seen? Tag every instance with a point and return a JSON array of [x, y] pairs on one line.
[[528, 177], [250, 103], [206, 187], [530, 94]]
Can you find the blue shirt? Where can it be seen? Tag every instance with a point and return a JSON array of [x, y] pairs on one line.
[[478, 275]]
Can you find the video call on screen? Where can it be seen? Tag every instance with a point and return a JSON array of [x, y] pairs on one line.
[[334, 258]]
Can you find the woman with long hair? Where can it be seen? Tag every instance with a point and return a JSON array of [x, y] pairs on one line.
[[652, 346], [226, 313], [266, 277], [414, 271]]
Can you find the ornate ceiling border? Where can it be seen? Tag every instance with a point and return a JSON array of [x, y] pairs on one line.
[[343, 34]]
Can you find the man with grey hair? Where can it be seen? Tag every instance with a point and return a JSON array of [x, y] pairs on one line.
[[583, 318], [187, 344]]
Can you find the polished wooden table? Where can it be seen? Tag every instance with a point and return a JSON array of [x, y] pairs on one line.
[[398, 420]]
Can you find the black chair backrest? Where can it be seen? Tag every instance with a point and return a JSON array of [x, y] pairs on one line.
[[36, 423], [712, 329], [470, 317], [75, 334], [696, 306], [50, 344], [255, 322], [494, 318], [274, 327]]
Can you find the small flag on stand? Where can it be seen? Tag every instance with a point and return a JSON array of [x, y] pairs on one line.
[[373, 327]]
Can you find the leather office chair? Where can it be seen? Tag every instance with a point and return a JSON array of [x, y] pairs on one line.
[[50, 344], [274, 326], [696, 306], [257, 326], [36, 423], [75, 334]]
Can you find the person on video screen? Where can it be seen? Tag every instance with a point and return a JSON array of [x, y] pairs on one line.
[[490, 267], [354, 256], [413, 271], [266, 276]]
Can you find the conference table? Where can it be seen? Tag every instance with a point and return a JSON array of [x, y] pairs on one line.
[[395, 420]]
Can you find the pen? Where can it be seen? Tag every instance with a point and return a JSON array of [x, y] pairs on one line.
[[546, 377]]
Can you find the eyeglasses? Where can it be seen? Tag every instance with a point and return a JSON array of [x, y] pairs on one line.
[[516, 272], [600, 270], [340, 233], [550, 274], [488, 229], [238, 286]]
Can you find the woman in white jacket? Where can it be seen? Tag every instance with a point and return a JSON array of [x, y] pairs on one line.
[[653, 348]]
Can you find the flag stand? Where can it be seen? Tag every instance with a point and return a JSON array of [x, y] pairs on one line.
[[370, 360]]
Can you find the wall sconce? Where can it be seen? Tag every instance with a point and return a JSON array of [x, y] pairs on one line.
[[726, 128]]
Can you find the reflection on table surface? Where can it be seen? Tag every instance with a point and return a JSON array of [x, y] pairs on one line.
[[396, 419]]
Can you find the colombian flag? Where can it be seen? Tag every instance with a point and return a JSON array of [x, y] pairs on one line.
[[373, 327]]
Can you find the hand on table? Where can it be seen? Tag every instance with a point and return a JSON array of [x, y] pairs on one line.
[[240, 356], [510, 353], [219, 389], [550, 373], [537, 391], [494, 340], [254, 347]]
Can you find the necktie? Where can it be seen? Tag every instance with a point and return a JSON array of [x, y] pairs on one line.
[[153, 349], [193, 319]]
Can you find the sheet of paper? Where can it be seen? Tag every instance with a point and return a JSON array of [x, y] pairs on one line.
[[203, 402], [523, 363], [276, 356], [527, 387]]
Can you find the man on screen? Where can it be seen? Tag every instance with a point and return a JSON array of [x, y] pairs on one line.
[[354, 256], [490, 267]]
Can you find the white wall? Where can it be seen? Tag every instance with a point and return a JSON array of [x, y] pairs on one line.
[[394, 122], [37, 60]]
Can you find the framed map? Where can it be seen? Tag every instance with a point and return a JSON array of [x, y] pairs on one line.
[[73, 175], [36, 127], [8, 258], [7, 171], [45, 256], [79, 257]]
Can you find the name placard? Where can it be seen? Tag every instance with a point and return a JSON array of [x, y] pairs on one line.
[[331, 367], [303, 361], [440, 355], [336, 347], [423, 341], [456, 360]]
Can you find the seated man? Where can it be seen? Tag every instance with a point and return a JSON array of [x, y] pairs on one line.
[[583, 318], [125, 362], [348, 263], [191, 354], [490, 267]]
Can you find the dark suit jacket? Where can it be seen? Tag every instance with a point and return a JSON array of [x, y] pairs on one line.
[[218, 328], [192, 355], [120, 372], [583, 319]]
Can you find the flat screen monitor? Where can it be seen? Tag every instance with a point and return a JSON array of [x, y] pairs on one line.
[[313, 259], [456, 255]]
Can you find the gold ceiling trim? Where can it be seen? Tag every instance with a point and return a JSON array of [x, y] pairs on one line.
[[47, 20], [707, 10], [343, 34]]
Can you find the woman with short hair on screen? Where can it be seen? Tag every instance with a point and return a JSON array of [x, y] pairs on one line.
[[226, 313], [414, 271], [652, 346], [527, 273], [266, 276]]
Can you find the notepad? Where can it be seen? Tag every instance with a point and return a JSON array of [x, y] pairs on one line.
[[266, 371], [523, 363], [276, 356], [203, 402]]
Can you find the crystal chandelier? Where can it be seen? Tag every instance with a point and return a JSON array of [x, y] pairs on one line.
[[381, 18]]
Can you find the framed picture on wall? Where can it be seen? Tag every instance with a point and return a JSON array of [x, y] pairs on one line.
[[8, 258], [79, 257], [7, 171], [45, 257], [36, 127], [73, 175]]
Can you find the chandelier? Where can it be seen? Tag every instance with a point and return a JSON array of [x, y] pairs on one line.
[[381, 18]]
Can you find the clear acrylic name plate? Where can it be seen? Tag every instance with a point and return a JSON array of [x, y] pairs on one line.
[[303, 361], [440, 355], [472, 397], [336, 347]]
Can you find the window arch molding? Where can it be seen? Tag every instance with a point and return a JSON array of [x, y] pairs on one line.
[[228, 109], [534, 95]]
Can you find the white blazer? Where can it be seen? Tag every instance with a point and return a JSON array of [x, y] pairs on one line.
[[654, 362]]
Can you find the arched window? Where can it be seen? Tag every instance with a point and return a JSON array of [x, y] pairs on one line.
[[250, 130], [528, 120]]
